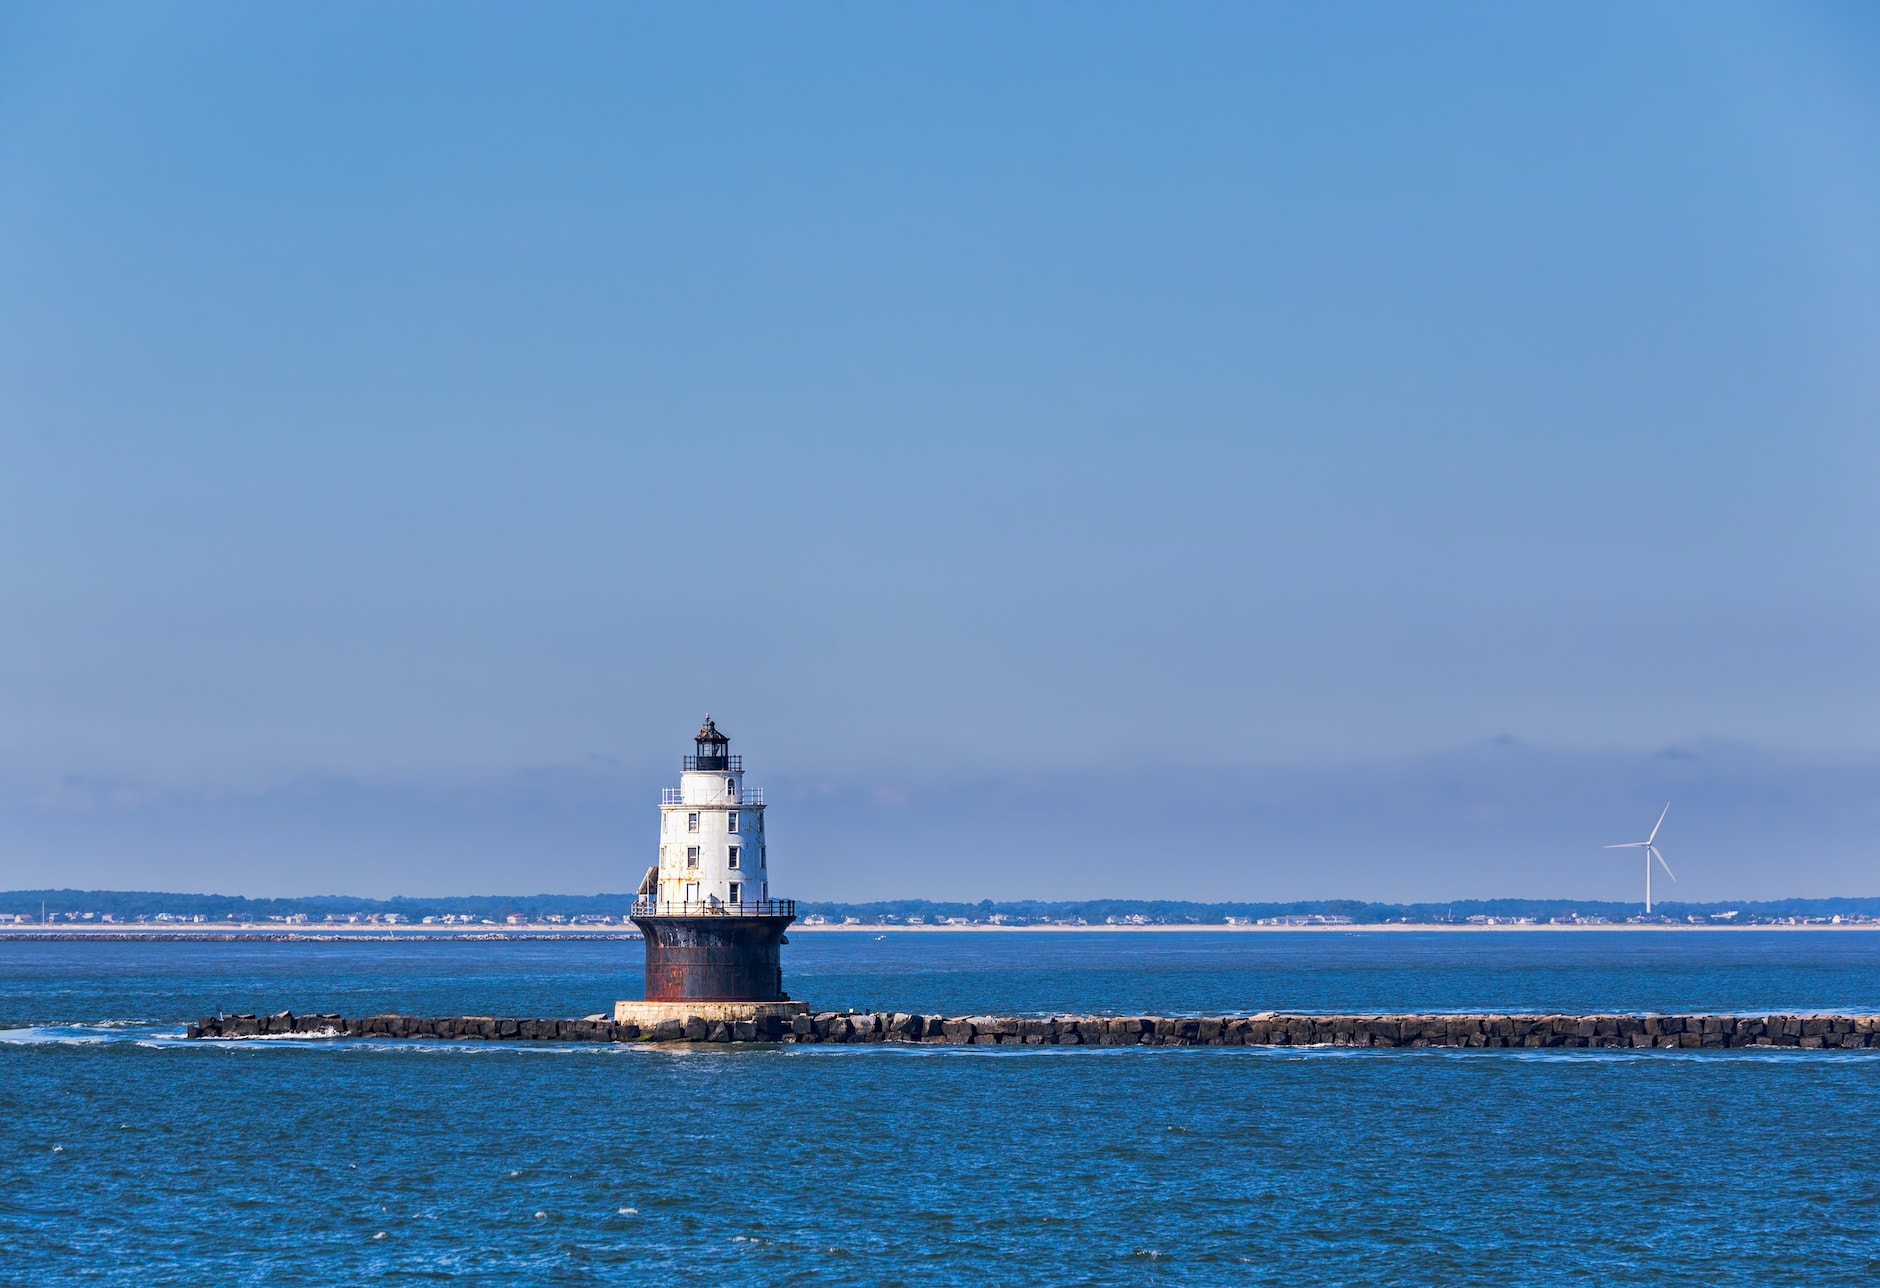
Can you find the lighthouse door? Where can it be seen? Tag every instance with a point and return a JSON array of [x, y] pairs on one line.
[[691, 892]]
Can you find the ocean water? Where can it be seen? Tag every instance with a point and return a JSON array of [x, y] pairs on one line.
[[134, 1157]]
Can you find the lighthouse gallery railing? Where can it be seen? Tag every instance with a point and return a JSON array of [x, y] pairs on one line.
[[749, 796], [692, 908]]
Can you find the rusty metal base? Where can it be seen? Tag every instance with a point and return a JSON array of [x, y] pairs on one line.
[[714, 958]]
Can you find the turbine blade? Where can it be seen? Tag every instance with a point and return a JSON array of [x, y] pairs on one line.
[[1661, 863], [1628, 845], [1660, 823]]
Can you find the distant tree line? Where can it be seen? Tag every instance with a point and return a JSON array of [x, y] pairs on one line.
[[1178, 912], [128, 905]]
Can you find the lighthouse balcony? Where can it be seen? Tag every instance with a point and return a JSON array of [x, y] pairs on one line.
[[749, 796], [715, 908]]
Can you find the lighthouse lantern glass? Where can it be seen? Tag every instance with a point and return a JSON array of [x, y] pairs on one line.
[[711, 748]]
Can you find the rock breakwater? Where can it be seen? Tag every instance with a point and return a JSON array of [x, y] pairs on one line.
[[1645, 1032]]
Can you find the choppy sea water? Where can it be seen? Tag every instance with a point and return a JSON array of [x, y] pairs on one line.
[[132, 1156]]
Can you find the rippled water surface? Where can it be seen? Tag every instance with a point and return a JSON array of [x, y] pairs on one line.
[[134, 1157]]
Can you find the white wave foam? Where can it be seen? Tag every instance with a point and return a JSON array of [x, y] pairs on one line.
[[274, 1037], [53, 1037]]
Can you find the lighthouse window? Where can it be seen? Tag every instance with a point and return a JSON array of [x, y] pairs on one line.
[[734, 856], [691, 822], [691, 856], [733, 817], [735, 889]]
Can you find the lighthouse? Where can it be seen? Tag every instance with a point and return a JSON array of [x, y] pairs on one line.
[[711, 928]]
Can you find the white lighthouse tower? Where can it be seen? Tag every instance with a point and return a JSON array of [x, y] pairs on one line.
[[711, 928], [711, 834]]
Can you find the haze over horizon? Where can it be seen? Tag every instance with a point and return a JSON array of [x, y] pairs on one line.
[[1381, 455]]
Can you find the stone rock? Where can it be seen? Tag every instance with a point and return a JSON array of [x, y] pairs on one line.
[[1682, 1032]]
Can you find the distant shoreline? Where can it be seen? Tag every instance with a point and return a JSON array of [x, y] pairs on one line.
[[1392, 927], [312, 934], [177, 911], [546, 933]]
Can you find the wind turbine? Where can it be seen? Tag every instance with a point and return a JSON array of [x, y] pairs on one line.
[[1651, 852]]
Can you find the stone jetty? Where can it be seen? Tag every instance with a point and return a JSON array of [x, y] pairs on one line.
[[1266, 1029]]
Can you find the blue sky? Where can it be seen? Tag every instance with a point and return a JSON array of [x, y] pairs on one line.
[[1058, 444]]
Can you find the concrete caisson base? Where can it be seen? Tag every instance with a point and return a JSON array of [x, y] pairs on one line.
[[647, 1014]]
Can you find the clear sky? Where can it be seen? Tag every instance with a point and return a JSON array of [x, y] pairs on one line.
[[1224, 451]]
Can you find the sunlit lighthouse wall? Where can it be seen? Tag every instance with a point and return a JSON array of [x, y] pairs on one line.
[[711, 929]]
